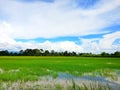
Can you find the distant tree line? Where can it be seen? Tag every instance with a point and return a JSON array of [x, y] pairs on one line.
[[41, 52]]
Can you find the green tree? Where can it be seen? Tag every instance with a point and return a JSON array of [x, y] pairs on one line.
[[117, 53], [36, 52], [104, 54], [46, 53]]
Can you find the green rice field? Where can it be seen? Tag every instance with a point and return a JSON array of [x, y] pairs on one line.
[[24, 69]]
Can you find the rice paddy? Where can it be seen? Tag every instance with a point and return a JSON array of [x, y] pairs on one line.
[[59, 73]]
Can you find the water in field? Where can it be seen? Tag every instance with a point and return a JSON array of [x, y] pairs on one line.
[[102, 80], [66, 81], [104, 77]]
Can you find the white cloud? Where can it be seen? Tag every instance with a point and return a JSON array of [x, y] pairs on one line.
[[62, 46], [6, 33], [90, 45], [47, 45], [99, 45], [102, 7], [61, 18], [96, 45], [107, 41]]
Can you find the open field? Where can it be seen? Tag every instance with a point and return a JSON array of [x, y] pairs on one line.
[[32, 69]]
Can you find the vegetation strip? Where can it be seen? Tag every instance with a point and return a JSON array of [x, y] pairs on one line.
[[41, 52]]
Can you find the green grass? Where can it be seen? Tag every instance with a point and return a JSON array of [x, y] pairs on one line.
[[31, 68]]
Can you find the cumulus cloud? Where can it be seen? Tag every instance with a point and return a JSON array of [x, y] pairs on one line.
[[106, 43], [62, 46], [96, 45], [47, 45]]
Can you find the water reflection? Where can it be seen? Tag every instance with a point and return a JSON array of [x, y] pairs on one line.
[[100, 79]]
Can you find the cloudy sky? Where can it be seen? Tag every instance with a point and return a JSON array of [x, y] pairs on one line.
[[73, 25]]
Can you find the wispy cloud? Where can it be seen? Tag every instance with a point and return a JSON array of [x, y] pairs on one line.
[[30, 19], [52, 20]]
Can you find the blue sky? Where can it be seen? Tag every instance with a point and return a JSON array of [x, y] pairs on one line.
[[73, 25], [29, 1]]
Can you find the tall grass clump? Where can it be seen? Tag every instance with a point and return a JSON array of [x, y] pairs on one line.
[[90, 86]]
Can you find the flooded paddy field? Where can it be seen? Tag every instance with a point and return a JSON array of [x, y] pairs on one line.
[[59, 73]]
